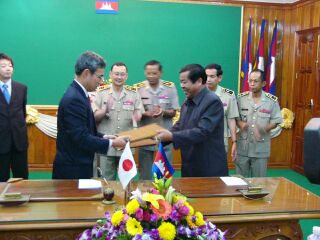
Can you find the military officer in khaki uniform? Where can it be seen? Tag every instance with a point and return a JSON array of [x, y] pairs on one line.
[[214, 76], [259, 114], [116, 108], [160, 101]]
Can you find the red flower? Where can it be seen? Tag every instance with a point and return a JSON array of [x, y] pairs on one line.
[[164, 209]]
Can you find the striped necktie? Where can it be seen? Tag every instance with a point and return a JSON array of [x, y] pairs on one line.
[[6, 93]]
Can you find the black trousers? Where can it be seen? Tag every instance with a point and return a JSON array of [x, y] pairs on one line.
[[17, 162]]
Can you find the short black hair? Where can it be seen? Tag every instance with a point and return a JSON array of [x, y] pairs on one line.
[[118, 64], [196, 71], [262, 76], [89, 60], [5, 56], [216, 67], [153, 62]]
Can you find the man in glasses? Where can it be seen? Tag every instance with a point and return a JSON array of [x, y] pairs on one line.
[[117, 108], [259, 114], [78, 139]]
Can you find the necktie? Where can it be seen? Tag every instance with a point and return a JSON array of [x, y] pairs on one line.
[[6, 92]]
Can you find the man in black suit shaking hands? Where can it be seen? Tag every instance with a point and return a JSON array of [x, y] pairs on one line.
[[78, 139]]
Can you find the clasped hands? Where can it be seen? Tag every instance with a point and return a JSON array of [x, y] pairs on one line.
[[117, 142]]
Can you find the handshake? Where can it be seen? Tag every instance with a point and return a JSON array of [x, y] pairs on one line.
[[117, 142]]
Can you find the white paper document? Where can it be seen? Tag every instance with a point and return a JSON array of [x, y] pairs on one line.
[[89, 184], [233, 181]]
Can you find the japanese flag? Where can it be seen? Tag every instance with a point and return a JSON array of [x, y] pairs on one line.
[[127, 167]]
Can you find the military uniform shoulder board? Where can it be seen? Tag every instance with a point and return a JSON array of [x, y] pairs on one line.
[[139, 85], [167, 83], [243, 94], [272, 97], [130, 88], [228, 91], [103, 87]]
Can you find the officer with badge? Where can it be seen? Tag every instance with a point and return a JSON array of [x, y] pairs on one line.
[[214, 76], [117, 107], [160, 101], [259, 114]]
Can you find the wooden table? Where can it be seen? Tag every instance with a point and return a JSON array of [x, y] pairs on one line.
[[67, 211]]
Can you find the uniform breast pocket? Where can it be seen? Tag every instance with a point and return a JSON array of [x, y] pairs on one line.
[[128, 110], [263, 118]]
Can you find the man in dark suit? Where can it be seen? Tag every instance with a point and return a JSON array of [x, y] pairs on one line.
[[78, 139], [13, 129], [199, 131]]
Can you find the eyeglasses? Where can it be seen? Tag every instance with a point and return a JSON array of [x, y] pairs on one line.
[[101, 77]]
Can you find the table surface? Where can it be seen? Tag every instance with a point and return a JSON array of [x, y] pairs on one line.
[[210, 196]]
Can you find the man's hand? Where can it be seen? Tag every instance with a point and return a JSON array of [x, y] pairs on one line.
[[234, 151], [164, 135], [106, 136], [119, 142]]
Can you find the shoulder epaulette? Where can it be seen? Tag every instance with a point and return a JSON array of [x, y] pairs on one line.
[[243, 94], [228, 91], [130, 88], [139, 85], [272, 97], [167, 83], [103, 87]]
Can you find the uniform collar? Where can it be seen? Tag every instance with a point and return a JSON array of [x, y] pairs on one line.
[[159, 89], [218, 91], [263, 96], [114, 94]]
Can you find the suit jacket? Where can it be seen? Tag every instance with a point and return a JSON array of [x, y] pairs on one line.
[[13, 128], [77, 139], [199, 135]]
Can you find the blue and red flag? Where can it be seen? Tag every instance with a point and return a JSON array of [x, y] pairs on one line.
[[271, 67], [107, 6], [161, 166], [247, 61], [259, 62]]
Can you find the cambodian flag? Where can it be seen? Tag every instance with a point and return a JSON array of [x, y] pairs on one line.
[[247, 61], [271, 67], [259, 62], [161, 165], [107, 6]]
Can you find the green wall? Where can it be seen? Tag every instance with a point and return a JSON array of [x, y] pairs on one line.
[[45, 37]]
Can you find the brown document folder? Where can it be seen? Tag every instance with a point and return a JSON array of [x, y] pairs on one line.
[[142, 136]]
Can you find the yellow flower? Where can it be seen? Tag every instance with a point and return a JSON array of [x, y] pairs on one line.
[[117, 218], [177, 198], [133, 226], [199, 219], [153, 199], [191, 210], [167, 231], [132, 206], [190, 222]]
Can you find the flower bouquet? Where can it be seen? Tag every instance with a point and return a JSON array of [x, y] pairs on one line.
[[160, 213]]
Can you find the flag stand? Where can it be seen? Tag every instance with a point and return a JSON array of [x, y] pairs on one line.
[[127, 194]]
